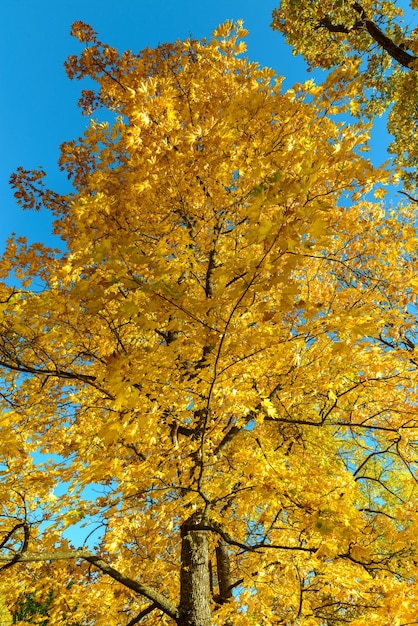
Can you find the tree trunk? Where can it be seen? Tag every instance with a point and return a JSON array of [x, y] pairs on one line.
[[224, 573], [195, 598]]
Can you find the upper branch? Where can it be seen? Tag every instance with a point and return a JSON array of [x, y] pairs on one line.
[[53, 373], [23, 547], [216, 528], [396, 52]]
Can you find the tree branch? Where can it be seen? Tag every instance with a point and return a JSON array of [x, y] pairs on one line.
[[30, 557], [396, 52], [215, 528], [158, 599], [409, 196], [23, 548], [57, 373], [142, 614]]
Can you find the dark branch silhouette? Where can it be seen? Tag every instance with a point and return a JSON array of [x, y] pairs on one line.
[[363, 23]]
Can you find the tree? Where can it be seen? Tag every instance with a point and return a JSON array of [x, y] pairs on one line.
[[223, 357], [375, 37]]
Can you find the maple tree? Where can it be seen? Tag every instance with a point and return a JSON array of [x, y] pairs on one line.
[[220, 368], [376, 38]]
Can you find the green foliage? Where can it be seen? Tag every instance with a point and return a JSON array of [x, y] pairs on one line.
[[32, 610]]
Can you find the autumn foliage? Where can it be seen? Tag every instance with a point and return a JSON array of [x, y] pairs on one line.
[[218, 375], [381, 40]]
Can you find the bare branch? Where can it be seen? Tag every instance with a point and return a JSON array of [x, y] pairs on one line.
[[409, 196]]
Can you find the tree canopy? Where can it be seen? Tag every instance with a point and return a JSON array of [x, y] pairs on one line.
[[378, 39], [221, 366]]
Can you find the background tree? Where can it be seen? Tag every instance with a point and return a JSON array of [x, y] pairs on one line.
[[376, 37], [224, 357]]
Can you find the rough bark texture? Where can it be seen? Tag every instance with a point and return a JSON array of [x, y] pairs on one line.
[[396, 52], [224, 573], [195, 609]]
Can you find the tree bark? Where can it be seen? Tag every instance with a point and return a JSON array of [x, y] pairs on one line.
[[396, 52], [224, 573], [195, 597]]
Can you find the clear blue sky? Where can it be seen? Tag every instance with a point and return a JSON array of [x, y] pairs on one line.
[[38, 103]]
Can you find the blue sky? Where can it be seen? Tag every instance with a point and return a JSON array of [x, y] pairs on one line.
[[38, 103]]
